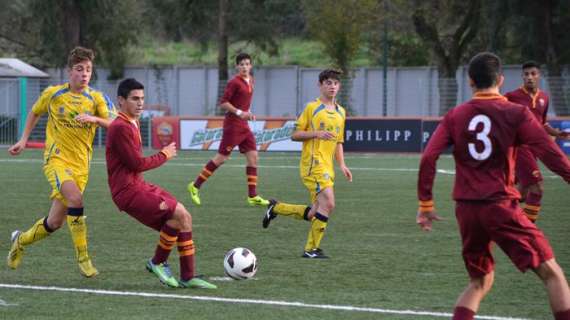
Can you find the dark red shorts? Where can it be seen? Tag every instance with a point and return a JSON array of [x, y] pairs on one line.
[[144, 204], [527, 170], [502, 222], [241, 137]]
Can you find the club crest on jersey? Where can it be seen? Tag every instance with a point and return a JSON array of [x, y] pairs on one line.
[[541, 101], [326, 176], [68, 172], [61, 109]]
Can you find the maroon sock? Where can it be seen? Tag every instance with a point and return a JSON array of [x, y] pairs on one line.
[[251, 173], [186, 252], [166, 242], [462, 313], [562, 315], [207, 171]]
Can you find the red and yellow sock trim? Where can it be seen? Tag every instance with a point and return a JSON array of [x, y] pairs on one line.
[[426, 206]]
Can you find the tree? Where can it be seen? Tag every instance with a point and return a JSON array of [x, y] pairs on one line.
[[447, 27], [53, 28], [339, 26]]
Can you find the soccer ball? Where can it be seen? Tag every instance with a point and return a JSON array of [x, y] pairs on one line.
[[240, 264]]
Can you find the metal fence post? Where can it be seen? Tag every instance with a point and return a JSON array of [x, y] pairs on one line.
[[23, 104]]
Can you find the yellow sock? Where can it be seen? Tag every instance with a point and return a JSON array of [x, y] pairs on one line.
[[295, 210], [317, 232], [36, 233], [78, 230]]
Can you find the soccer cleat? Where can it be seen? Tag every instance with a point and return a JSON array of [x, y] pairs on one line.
[[16, 251], [87, 269], [315, 254], [257, 201], [269, 215], [162, 271], [194, 193], [197, 283]]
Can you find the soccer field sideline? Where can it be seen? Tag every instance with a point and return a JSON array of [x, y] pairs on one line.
[[296, 167], [294, 304]]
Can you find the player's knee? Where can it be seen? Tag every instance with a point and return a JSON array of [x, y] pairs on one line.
[[74, 200], [537, 188], [484, 283], [183, 217]]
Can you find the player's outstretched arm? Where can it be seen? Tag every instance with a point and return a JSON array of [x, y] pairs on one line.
[[556, 132], [124, 146], [31, 123], [86, 118]]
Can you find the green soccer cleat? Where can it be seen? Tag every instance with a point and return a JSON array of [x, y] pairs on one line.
[[194, 193], [16, 251], [257, 201], [197, 283], [162, 271]]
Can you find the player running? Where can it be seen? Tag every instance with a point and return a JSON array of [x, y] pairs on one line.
[[74, 112], [236, 101]]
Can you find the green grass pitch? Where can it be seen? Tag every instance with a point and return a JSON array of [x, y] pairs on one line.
[[380, 258]]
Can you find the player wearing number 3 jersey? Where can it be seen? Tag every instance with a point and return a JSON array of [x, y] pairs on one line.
[[484, 132]]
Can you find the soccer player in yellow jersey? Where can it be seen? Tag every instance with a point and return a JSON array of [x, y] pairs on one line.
[[321, 129], [74, 112]]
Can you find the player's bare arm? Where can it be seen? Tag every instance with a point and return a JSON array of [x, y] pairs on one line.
[[301, 135], [245, 115], [339, 156], [19, 146], [169, 151], [557, 132], [87, 118]]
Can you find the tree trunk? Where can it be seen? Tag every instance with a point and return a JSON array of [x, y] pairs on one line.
[[447, 94], [222, 52], [71, 24]]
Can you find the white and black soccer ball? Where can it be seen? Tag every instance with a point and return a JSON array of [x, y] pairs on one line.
[[240, 264]]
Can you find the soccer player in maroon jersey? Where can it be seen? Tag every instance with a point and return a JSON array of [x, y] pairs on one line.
[[527, 171], [236, 101], [484, 132], [144, 201]]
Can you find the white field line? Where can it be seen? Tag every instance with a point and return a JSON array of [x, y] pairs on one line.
[[186, 164], [246, 301]]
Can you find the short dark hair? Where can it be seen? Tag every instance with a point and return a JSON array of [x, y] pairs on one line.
[[128, 85], [531, 64], [484, 68], [242, 56], [78, 55], [329, 74]]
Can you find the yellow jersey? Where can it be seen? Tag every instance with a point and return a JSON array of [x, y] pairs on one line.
[[317, 156], [69, 141]]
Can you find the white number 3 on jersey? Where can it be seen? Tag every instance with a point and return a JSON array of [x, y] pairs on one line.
[[482, 136]]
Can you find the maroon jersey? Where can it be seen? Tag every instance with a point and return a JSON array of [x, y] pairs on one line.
[[125, 161], [239, 93], [484, 132], [537, 103]]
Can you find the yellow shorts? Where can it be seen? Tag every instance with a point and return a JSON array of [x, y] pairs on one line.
[[57, 174], [315, 183]]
